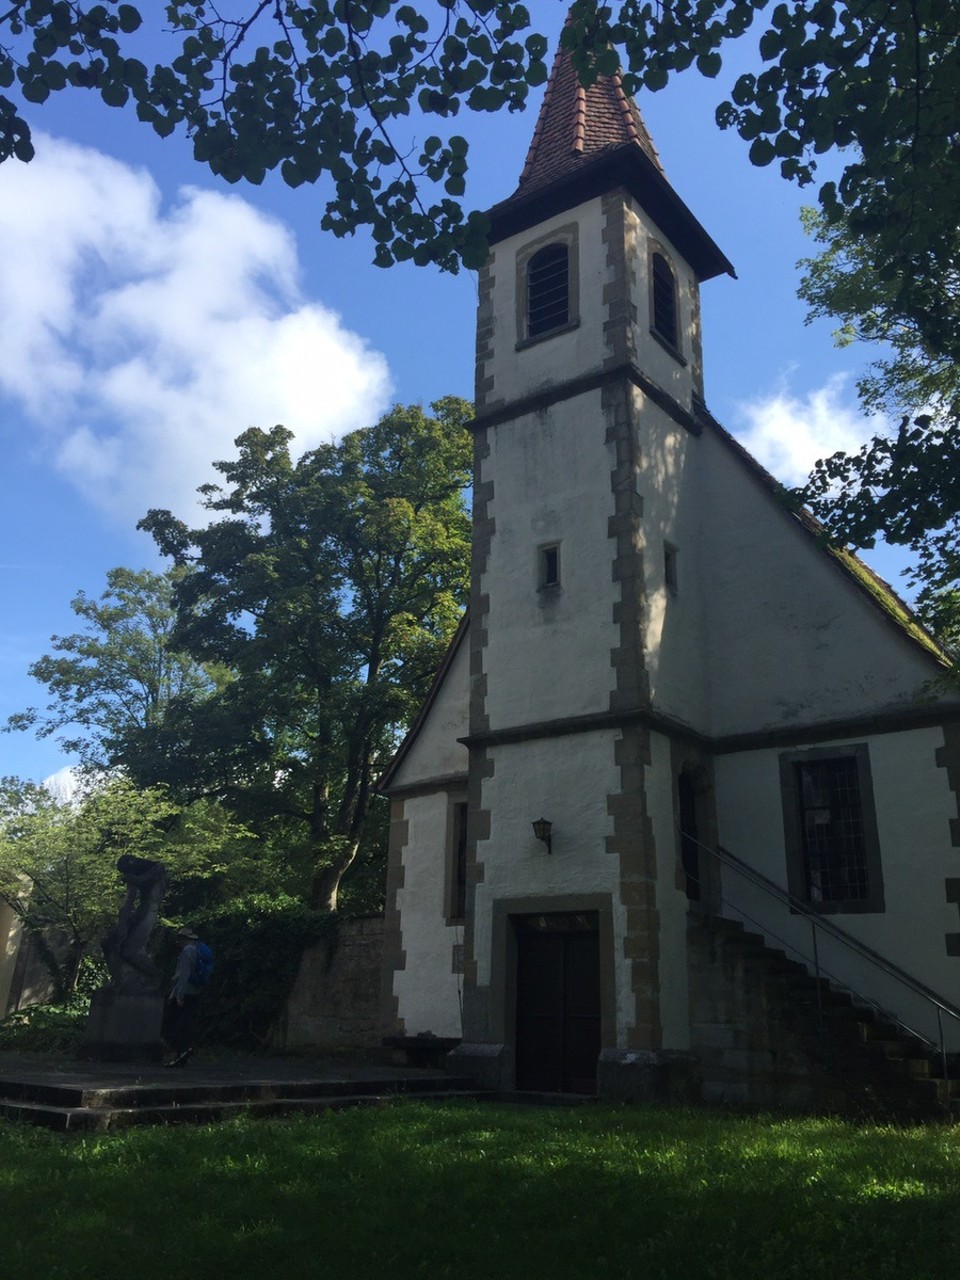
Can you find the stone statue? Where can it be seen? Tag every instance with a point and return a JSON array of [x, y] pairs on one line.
[[124, 947]]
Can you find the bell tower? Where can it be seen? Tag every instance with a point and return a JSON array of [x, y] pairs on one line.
[[589, 386]]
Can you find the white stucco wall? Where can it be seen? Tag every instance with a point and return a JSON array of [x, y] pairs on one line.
[[676, 637], [520, 373], [913, 809], [804, 641], [671, 899], [583, 349], [677, 377], [764, 630], [548, 651], [567, 781], [427, 989], [436, 751]]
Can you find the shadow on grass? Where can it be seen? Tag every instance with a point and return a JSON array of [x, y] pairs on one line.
[[475, 1191]]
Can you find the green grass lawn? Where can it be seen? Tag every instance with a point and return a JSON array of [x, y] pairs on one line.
[[475, 1190]]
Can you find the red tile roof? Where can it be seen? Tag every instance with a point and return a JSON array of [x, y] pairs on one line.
[[577, 125], [591, 141]]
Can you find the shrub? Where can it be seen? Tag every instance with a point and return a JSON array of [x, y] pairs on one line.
[[45, 1028], [257, 945]]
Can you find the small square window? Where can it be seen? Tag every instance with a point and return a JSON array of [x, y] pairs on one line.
[[549, 566], [670, 567]]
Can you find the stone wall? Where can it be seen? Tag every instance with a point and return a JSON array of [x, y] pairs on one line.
[[335, 1005], [29, 979], [764, 1037], [750, 1052]]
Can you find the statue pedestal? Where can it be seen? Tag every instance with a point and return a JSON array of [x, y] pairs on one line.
[[124, 1026]]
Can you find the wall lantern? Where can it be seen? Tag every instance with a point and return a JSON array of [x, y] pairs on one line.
[[542, 829]]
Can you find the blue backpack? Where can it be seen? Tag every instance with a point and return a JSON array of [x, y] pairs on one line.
[[202, 965]]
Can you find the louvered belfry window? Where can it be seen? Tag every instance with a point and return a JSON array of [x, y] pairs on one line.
[[664, 300], [548, 290]]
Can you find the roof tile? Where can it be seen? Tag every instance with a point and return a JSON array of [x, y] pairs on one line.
[[576, 125]]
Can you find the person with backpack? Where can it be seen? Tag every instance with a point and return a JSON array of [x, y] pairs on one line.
[[194, 966]]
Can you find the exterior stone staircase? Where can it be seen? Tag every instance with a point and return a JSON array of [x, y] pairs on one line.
[[96, 1101], [766, 1037]]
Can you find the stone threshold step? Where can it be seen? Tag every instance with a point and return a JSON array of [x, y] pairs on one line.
[[179, 1088], [78, 1119]]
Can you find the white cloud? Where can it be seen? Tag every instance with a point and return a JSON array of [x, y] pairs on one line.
[[64, 784], [141, 340], [788, 433]]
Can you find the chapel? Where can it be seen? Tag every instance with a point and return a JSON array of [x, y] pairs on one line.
[[679, 817]]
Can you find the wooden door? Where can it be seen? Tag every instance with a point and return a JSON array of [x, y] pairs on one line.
[[558, 1002]]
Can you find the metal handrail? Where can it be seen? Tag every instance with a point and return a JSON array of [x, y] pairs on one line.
[[819, 921]]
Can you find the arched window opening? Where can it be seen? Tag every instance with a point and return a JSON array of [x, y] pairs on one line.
[[664, 300], [548, 290]]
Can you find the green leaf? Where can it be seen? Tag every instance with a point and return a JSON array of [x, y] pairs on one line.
[[655, 78], [129, 18], [115, 93], [35, 90], [762, 152]]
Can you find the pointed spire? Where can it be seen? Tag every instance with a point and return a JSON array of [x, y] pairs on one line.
[[591, 141], [576, 125]]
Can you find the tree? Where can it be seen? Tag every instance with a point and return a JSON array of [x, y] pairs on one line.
[[58, 859], [330, 587], [325, 89], [903, 484], [115, 686]]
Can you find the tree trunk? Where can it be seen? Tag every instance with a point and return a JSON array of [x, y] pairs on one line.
[[72, 967], [326, 880]]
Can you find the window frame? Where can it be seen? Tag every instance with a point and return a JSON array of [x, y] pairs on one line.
[[549, 553], [548, 304], [455, 888], [568, 238], [796, 858], [669, 341], [671, 573]]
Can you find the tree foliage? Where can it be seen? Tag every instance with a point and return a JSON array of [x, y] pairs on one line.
[[58, 858], [904, 483], [316, 89], [116, 685], [258, 941], [336, 90], [330, 587]]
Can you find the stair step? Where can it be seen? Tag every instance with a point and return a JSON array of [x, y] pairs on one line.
[[181, 1091], [878, 1065], [73, 1119]]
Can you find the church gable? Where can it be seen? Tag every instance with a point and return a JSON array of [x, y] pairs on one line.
[[754, 624], [432, 754], [797, 620]]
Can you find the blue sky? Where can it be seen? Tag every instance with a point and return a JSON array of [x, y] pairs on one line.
[[149, 313]]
